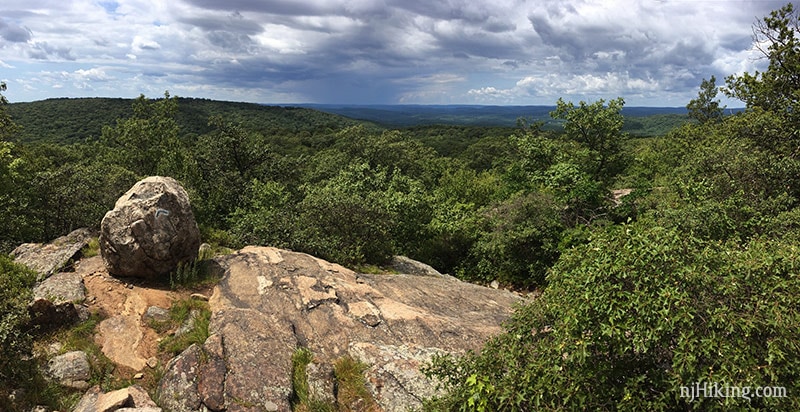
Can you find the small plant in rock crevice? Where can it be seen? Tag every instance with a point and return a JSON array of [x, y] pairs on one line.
[[349, 386], [192, 312]]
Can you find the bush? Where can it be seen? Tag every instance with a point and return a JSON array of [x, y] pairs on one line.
[[519, 243], [17, 367], [344, 220], [16, 291], [636, 314]]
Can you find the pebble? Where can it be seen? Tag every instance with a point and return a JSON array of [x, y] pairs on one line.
[[138, 376]]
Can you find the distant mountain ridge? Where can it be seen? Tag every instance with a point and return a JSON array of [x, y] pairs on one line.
[[467, 115], [70, 120]]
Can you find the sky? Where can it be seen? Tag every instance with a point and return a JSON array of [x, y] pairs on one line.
[[486, 52]]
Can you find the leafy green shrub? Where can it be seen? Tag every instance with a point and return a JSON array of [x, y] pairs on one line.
[[16, 291], [636, 314], [266, 217], [19, 369], [518, 245], [343, 219]]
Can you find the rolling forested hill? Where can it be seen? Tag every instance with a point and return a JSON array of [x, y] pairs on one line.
[[66, 120], [75, 120]]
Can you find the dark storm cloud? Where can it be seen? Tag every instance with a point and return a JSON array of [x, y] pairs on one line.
[[233, 22], [579, 43], [285, 7], [45, 51], [14, 33], [498, 26], [389, 51]]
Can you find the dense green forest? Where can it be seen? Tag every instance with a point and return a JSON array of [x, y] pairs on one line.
[[79, 120], [691, 278]]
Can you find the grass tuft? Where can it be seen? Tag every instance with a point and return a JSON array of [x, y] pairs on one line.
[[351, 386], [180, 312]]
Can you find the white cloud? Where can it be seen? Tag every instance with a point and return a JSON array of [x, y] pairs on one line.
[[141, 44], [415, 51], [578, 86]]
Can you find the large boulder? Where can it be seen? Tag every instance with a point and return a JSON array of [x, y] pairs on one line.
[[150, 231], [47, 259], [270, 302]]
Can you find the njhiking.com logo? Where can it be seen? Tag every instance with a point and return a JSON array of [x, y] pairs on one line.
[[699, 390]]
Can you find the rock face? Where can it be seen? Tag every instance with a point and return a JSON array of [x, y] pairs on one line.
[[47, 259], [132, 398], [56, 300], [410, 266], [150, 230], [271, 302], [70, 369]]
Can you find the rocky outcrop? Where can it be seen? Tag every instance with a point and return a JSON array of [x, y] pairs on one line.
[[70, 369], [150, 230], [410, 266], [47, 259], [271, 302], [130, 399], [57, 301]]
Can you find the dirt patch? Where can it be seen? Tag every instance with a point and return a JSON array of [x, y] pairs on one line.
[[123, 336]]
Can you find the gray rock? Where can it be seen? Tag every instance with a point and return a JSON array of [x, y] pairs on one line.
[[270, 302], [70, 369], [393, 376], [132, 398], [139, 398], [144, 409], [187, 324], [61, 288], [410, 266], [150, 230], [47, 259], [56, 300], [211, 376], [96, 401], [177, 390], [156, 314]]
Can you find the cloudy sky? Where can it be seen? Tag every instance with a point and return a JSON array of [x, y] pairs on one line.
[[651, 52]]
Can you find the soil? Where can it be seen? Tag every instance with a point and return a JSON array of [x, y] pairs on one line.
[[128, 298]]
